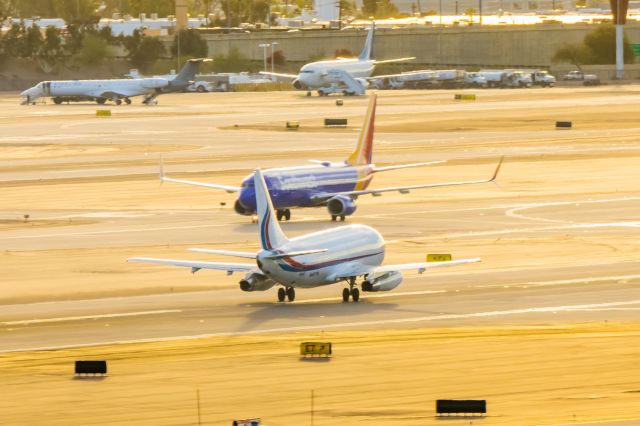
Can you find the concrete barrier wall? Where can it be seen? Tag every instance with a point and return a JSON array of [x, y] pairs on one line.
[[486, 46]]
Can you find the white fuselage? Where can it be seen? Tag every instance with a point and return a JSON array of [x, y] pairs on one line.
[[114, 88], [348, 247], [317, 74]]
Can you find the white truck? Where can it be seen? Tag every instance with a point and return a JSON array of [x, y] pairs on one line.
[[542, 78], [587, 79], [474, 79], [494, 78]]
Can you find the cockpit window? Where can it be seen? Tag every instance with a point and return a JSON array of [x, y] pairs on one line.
[[247, 184], [306, 72]]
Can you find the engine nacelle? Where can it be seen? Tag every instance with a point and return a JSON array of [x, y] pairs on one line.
[[256, 282], [341, 205], [239, 208], [363, 82], [383, 282], [154, 83]]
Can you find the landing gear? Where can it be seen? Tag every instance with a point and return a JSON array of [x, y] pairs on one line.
[[101, 101], [283, 214], [309, 93], [127, 101], [334, 217], [289, 293], [118, 102], [352, 291]]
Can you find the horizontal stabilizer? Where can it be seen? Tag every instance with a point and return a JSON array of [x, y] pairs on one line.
[[295, 253], [243, 254]]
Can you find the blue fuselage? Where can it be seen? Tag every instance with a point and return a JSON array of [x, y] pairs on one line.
[[305, 186]]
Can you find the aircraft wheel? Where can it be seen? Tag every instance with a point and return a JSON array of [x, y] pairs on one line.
[[291, 294], [118, 102], [333, 217], [342, 218], [200, 89], [287, 214], [100, 101], [281, 294], [309, 93], [128, 101], [355, 294], [345, 295], [279, 214]]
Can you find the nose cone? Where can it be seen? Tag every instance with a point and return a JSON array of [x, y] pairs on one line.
[[31, 93], [248, 199]]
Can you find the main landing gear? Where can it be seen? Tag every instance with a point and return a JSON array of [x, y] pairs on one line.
[[289, 293], [352, 291], [334, 217], [283, 214]]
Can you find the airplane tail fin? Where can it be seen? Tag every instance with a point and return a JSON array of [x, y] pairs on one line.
[[367, 51], [271, 235], [189, 71], [364, 149]]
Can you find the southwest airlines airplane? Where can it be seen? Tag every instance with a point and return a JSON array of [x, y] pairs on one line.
[[352, 73], [335, 185], [326, 257], [115, 90]]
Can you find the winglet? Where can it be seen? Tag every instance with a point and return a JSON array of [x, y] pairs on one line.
[[495, 174], [271, 235], [363, 153]]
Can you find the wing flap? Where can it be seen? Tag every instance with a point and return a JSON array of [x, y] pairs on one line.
[[406, 166]]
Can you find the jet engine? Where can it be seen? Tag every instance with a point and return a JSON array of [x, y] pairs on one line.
[[154, 83], [363, 82], [239, 208], [383, 282], [341, 205], [256, 282]]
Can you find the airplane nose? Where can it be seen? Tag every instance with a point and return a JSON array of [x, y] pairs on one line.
[[247, 199]]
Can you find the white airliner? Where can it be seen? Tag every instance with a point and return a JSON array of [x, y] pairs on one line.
[[340, 254], [351, 74], [115, 90]]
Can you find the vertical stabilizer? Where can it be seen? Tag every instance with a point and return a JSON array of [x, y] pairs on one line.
[[189, 71], [364, 149], [367, 51], [271, 235]]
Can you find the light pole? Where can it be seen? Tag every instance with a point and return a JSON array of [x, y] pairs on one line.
[[264, 46], [273, 46]]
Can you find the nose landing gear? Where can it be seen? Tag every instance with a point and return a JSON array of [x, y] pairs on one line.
[[352, 291]]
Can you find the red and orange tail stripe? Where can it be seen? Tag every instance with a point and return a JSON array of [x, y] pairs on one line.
[[364, 149]]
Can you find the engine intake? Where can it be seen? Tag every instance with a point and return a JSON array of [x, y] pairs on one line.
[[256, 282], [240, 209], [341, 205], [383, 282]]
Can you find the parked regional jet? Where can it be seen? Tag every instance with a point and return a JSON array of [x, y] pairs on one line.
[[115, 90], [336, 185], [342, 75], [312, 260]]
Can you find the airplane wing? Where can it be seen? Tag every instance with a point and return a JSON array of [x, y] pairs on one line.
[[404, 189], [110, 94], [420, 267], [356, 270], [196, 265], [406, 166], [277, 74], [228, 188], [388, 61]]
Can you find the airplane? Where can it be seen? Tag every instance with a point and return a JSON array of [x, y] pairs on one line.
[[321, 258], [115, 90], [348, 76], [334, 185]]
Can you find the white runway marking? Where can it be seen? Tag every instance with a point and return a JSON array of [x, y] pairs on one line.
[[117, 231], [540, 310], [564, 282], [512, 212], [86, 317]]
